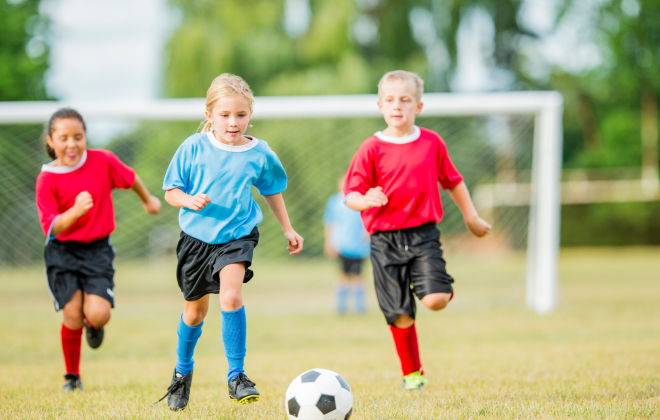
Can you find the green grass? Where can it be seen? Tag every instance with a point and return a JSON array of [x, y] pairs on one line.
[[597, 356]]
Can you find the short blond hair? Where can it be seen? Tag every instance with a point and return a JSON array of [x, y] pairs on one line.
[[404, 76], [226, 84]]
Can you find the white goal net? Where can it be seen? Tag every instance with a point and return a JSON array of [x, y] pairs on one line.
[[506, 145]]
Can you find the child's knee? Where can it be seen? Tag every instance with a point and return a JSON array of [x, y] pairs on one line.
[[436, 301], [403, 321], [231, 300], [193, 316], [98, 317], [73, 312]]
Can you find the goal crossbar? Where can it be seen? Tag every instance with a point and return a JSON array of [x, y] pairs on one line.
[[546, 107]]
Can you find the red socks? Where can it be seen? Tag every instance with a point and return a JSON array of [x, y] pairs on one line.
[[405, 340], [71, 342]]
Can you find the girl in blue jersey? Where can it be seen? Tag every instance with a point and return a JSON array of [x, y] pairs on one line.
[[210, 178]]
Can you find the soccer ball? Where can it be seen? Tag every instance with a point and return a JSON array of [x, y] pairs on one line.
[[319, 394]]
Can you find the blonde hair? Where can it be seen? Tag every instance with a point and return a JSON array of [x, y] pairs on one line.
[[226, 84], [404, 76]]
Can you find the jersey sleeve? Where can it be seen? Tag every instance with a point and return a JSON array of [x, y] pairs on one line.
[[47, 205], [273, 179], [360, 173], [121, 175], [448, 175], [178, 173], [329, 213]]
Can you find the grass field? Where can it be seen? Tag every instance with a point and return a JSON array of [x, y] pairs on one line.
[[487, 357]]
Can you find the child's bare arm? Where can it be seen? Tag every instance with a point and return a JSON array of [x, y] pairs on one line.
[[373, 198], [328, 250], [276, 204], [150, 203], [474, 223], [178, 198], [62, 222]]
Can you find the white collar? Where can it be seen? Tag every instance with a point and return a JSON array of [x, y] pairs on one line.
[[400, 140], [50, 167], [242, 148]]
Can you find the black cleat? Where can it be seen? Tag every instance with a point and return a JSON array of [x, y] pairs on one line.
[[94, 335], [72, 382], [179, 391], [242, 390]]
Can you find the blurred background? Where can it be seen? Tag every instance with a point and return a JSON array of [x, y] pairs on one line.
[[602, 55]]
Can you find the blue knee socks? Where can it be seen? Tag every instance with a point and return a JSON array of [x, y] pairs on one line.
[[341, 297], [185, 346], [234, 329], [359, 298]]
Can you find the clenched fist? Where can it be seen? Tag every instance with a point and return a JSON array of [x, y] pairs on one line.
[[83, 203], [198, 201]]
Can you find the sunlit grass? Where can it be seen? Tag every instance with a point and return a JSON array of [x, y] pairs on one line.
[[486, 357]]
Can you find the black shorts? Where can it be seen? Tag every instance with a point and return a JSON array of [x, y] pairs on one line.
[[73, 266], [407, 261], [197, 271], [351, 266]]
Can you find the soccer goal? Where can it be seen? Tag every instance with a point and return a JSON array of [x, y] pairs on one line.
[[506, 145]]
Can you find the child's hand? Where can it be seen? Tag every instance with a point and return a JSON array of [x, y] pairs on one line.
[[83, 203], [198, 201], [152, 206], [375, 197], [478, 226], [295, 242], [329, 251]]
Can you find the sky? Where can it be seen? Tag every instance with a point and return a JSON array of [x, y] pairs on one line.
[[107, 49]]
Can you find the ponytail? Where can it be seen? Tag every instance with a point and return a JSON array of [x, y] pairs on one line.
[[61, 114], [205, 126]]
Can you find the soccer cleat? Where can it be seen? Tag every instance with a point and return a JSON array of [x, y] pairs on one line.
[[72, 382], [179, 391], [414, 382], [94, 335], [242, 390]]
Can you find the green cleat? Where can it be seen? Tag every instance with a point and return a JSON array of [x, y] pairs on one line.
[[414, 382]]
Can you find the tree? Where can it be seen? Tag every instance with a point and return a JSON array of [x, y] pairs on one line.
[[344, 48], [23, 53]]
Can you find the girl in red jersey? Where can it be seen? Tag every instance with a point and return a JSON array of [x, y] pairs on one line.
[[74, 199]]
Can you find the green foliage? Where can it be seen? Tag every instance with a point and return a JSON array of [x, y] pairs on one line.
[[248, 38], [602, 121], [21, 76]]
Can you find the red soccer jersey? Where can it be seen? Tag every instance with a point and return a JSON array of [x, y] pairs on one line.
[[408, 169], [98, 172]]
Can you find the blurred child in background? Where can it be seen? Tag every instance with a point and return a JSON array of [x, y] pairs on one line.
[[347, 240]]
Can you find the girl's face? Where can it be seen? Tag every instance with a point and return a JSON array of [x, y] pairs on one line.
[[230, 117], [398, 104], [68, 140]]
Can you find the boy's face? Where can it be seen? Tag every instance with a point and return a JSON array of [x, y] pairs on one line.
[[68, 140], [230, 117], [398, 104]]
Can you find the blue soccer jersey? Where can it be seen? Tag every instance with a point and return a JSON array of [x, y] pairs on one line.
[[226, 174], [347, 233]]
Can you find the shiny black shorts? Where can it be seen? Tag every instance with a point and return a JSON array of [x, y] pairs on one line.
[[406, 262], [73, 266], [197, 271]]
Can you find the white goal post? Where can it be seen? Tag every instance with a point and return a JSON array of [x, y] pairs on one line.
[[542, 194]]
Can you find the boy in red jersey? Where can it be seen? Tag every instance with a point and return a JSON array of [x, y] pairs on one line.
[[74, 199], [393, 181]]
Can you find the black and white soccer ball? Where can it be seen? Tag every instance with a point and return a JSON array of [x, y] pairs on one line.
[[319, 394]]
